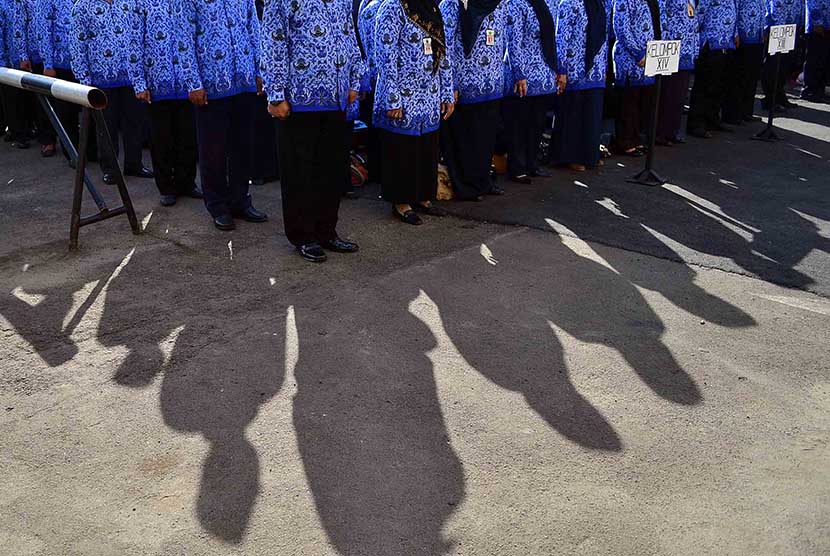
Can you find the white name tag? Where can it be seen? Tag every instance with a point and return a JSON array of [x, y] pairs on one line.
[[491, 37], [662, 58], [781, 39], [428, 45]]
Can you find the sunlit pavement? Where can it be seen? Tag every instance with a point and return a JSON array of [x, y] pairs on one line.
[[584, 366]]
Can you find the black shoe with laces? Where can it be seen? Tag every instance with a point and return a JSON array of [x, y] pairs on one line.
[[312, 252]]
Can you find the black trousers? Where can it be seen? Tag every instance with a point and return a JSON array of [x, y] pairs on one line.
[[44, 132], [635, 111], [467, 140], [524, 123], [675, 90], [374, 159], [125, 116], [17, 108], [772, 87], [225, 141], [173, 146], [264, 151], [312, 158], [68, 113], [708, 89], [818, 63], [743, 69]]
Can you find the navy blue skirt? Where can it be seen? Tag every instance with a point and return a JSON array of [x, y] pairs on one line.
[[577, 127]]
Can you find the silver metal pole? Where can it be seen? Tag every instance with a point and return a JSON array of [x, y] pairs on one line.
[[88, 97]]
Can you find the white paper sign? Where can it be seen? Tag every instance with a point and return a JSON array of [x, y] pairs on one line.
[[662, 58], [781, 39]]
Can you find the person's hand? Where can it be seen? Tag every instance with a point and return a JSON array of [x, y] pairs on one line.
[[396, 114], [642, 63], [144, 96], [520, 88], [561, 83], [737, 41], [280, 111], [447, 108], [259, 86], [50, 72], [26, 65], [455, 96], [198, 97], [352, 95]]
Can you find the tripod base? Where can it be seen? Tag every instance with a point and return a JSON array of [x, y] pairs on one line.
[[768, 135], [647, 177]]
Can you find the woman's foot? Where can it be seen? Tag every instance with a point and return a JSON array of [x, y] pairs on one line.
[[47, 151], [576, 167], [405, 214], [430, 209]]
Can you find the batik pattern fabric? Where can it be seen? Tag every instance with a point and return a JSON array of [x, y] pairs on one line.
[[718, 23], [6, 53], [633, 29], [24, 31], [751, 20], [168, 57], [406, 79], [53, 24], [310, 55], [105, 44], [817, 14], [785, 12], [680, 24], [226, 45], [366, 19], [525, 55], [571, 25], [481, 77]]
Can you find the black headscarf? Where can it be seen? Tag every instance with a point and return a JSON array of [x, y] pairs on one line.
[[654, 9], [426, 15], [547, 31], [596, 31], [471, 19]]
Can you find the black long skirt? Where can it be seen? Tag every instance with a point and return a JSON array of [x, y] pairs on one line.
[[673, 95], [409, 173], [577, 128]]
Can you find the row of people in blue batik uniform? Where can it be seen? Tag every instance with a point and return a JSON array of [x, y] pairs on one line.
[[435, 80]]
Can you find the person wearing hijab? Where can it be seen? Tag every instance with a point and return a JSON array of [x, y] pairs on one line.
[[413, 94], [743, 65], [264, 167], [817, 65], [477, 38], [718, 35], [312, 70], [781, 12], [367, 13], [533, 63], [680, 17], [582, 48], [635, 22]]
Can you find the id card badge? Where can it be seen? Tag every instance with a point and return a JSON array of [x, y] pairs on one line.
[[491, 37], [428, 46]]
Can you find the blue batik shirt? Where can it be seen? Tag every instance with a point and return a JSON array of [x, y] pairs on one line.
[[751, 20], [525, 49], [785, 12], [718, 23], [24, 31], [366, 27], [53, 21], [406, 79], [105, 44], [481, 77], [5, 34], [817, 14], [633, 29], [310, 55], [168, 59], [571, 25], [226, 44], [680, 23]]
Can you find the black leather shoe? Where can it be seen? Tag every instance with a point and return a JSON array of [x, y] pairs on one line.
[[431, 210], [496, 190], [408, 217], [524, 179], [142, 172], [20, 144], [224, 222], [312, 252], [193, 193], [110, 179], [167, 200], [340, 246], [251, 214], [257, 181], [540, 173]]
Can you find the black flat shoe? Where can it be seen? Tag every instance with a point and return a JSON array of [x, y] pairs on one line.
[[20, 144], [540, 173], [340, 246], [431, 210], [251, 214], [496, 190], [167, 200], [524, 179], [408, 217], [142, 172], [257, 181], [110, 179], [312, 252], [224, 222]]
